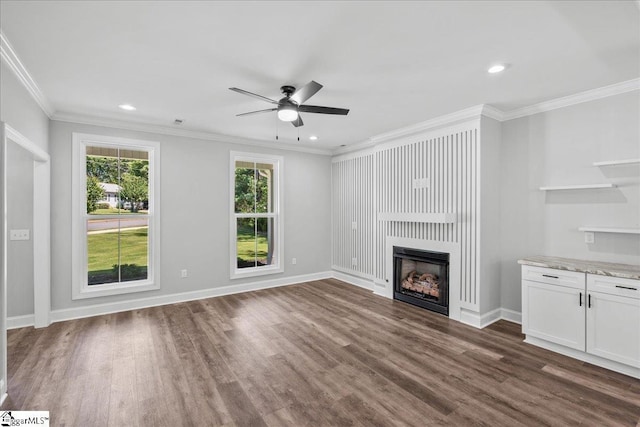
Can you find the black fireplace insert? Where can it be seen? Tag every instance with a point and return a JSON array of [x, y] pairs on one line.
[[421, 278]]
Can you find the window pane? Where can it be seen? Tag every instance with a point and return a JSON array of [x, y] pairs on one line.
[[102, 251], [245, 183], [102, 183], [265, 241], [117, 180], [264, 190], [134, 249], [134, 181], [246, 243]]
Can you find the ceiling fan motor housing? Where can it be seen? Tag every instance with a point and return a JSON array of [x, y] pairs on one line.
[[287, 90]]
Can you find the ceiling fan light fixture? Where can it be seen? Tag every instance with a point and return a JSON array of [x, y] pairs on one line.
[[287, 114]]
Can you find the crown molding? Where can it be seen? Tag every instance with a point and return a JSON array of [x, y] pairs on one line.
[[493, 113], [578, 98], [9, 56], [470, 113], [164, 130]]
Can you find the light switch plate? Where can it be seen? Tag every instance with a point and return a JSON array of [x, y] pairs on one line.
[[19, 234], [420, 183]]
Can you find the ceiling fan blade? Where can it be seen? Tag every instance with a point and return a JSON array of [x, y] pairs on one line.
[[255, 95], [298, 122], [323, 110], [305, 92], [256, 112]]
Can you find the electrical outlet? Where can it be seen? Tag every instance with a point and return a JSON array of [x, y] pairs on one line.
[[354, 262], [294, 261], [589, 237], [184, 273]]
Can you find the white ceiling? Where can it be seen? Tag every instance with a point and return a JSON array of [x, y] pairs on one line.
[[393, 64]]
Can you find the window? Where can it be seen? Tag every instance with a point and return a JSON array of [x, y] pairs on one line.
[[115, 216], [256, 232]]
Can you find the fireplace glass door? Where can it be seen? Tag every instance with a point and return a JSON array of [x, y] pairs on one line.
[[422, 278]]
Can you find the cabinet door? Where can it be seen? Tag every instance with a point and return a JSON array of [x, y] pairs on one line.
[[613, 328], [554, 313]]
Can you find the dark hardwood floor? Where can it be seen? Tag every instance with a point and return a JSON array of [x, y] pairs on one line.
[[319, 353]]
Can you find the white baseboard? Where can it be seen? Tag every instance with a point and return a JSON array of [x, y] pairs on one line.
[[585, 357], [481, 321], [478, 320], [353, 280], [100, 309], [468, 317], [380, 288], [511, 316], [15, 322]]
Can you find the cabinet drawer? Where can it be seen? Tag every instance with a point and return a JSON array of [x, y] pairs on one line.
[[552, 276], [613, 286]]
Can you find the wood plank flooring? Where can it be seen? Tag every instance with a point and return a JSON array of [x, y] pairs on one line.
[[319, 353]]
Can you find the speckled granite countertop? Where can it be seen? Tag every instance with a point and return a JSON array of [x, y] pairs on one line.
[[626, 271]]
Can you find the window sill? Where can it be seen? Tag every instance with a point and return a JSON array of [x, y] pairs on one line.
[[95, 291], [256, 271]]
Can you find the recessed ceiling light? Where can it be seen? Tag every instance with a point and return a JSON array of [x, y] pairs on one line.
[[496, 68], [313, 138], [127, 107]]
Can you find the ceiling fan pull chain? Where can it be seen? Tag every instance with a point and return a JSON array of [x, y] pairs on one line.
[[276, 127]]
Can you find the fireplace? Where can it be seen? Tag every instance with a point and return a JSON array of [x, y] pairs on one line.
[[421, 278]]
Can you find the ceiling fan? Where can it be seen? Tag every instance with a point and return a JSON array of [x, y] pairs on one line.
[[292, 104]]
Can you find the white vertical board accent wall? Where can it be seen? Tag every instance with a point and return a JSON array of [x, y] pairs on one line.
[[353, 215], [448, 161], [382, 180]]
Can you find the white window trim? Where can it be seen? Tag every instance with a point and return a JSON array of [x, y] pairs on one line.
[[278, 162], [80, 289]]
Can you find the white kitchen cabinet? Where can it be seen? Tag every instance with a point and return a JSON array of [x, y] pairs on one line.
[[591, 317], [553, 306], [613, 318]]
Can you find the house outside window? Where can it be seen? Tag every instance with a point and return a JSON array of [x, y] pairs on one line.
[[256, 216], [116, 245]]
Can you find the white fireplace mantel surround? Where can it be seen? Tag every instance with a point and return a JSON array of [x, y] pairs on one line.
[[453, 249], [434, 190]]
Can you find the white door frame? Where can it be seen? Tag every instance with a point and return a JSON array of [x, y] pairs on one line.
[[41, 239]]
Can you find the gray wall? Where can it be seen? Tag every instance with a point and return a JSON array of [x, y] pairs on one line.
[[195, 213], [490, 215], [21, 112], [558, 148], [19, 216]]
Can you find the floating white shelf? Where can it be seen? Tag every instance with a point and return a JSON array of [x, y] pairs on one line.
[[577, 187], [439, 218], [611, 230], [617, 162]]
